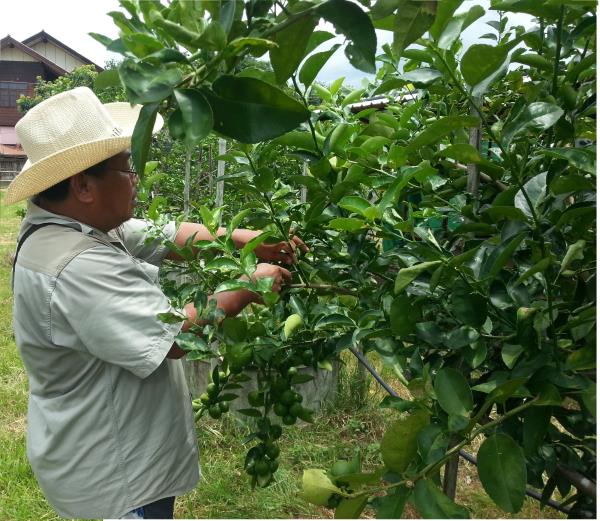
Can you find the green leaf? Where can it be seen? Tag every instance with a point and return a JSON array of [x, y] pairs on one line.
[[533, 60], [412, 19], [582, 359], [354, 204], [440, 128], [353, 97], [534, 118], [482, 64], [461, 337], [107, 79], [500, 255], [250, 110], [346, 224], [422, 77], [317, 488], [406, 275], [399, 443], [196, 115], [142, 135], [453, 392], [580, 158], [291, 47], [264, 179], [565, 184], [222, 264], [510, 354], [351, 508], [457, 25], [575, 252], [444, 13], [145, 83], [141, 44], [469, 308], [536, 421], [535, 189], [316, 39], [536, 268], [404, 315], [462, 152], [502, 471], [234, 329], [335, 319], [311, 67], [232, 285], [432, 503], [350, 20], [392, 505]]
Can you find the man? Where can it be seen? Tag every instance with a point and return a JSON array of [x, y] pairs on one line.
[[110, 425]]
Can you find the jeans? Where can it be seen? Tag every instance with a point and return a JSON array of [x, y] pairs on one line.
[[161, 509]]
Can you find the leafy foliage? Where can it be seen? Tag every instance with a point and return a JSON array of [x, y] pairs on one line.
[[452, 232]]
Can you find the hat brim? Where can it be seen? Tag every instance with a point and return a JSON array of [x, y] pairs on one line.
[[37, 177]]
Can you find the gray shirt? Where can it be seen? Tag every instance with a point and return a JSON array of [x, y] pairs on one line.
[[110, 423]]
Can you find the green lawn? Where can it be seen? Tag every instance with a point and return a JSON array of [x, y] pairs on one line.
[[224, 491]]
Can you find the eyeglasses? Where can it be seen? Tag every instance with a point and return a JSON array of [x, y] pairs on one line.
[[132, 173]]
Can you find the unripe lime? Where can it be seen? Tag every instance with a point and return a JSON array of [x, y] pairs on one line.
[[292, 323], [262, 468], [255, 398], [223, 406], [292, 371], [214, 411], [212, 390], [205, 399], [222, 375], [307, 356], [251, 470], [279, 409], [289, 420], [296, 409], [287, 397], [272, 450], [276, 431]]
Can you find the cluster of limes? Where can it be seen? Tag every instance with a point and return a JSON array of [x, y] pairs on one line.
[[262, 459], [287, 401], [209, 400]]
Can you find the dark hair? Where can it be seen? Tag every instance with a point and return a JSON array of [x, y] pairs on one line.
[[59, 191]]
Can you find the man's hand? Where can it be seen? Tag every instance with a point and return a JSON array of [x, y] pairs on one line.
[[284, 251], [280, 275]]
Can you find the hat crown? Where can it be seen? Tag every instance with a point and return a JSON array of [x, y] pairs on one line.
[[63, 121]]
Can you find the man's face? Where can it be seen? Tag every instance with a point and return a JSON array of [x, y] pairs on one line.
[[116, 190]]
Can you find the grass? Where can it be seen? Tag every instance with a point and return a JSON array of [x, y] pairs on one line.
[[224, 490]]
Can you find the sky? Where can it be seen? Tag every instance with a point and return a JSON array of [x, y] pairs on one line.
[[70, 21]]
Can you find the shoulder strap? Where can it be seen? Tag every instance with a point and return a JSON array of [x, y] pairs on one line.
[[24, 237]]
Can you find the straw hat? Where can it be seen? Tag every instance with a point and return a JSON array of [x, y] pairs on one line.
[[68, 133]]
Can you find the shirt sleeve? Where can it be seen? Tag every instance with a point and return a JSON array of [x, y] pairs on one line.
[[105, 302], [145, 241]]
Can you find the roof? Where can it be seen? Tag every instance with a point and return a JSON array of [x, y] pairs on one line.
[[9, 41], [43, 36], [12, 150]]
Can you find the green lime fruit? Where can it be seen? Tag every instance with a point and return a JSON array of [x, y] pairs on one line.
[[272, 450], [295, 409], [205, 399], [255, 398], [279, 409], [292, 371], [262, 468], [223, 406], [214, 411], [212, 389], [292, 323], [276, 432], [307, 357], [287, 397], [289, 420]]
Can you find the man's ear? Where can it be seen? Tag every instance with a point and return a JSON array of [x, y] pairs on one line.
[[83, 188]]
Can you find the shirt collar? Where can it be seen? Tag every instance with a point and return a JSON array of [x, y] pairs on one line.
[[37, 215]]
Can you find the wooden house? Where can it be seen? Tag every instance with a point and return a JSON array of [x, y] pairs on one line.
[[21, 62]]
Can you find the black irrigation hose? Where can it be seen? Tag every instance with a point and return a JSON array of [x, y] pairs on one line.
[[469, 457]]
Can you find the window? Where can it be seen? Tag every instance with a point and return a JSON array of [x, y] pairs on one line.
[[10, 92]]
